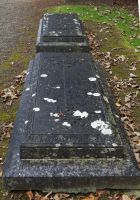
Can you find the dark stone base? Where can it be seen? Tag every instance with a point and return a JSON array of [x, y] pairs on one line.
[[67, 175]]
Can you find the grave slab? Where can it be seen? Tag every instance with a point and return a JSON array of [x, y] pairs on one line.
[[61, 32], [67, 135]]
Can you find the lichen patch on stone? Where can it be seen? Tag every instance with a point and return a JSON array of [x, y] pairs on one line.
[[27, 89], [33, 95], [97, 111], [57, 120], [96, 94], [50, 100], [43, 75], [102, 126], [36, 109], [66, 124], [54, 114], [92, 79], [57, 145], [114, 145], [80, 114]]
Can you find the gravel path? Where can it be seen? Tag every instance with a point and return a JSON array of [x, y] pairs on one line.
[[13, 16]]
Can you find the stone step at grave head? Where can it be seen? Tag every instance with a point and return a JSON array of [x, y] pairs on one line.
[[69, 114], [62, 28], [61, 33]]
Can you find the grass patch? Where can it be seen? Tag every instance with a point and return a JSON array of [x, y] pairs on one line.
[[125, 22]]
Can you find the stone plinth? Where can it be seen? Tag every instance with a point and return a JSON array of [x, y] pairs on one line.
[[61, 32]]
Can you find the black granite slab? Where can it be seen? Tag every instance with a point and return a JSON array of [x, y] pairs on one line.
[[70, 170], [61, 33]]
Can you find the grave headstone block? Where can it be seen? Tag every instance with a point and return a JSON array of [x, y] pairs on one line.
[[67, 135], [61, 32]]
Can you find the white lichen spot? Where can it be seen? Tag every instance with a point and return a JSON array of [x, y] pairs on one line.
[[50, 100], [66, 124], [26, 122], [78, 113], [27, 89], [102, 126], [114, 145], [33, 95], [92, 79], [36, 109], [43, 75], [54, 114], [96, 94], [57, 120], [97, 111], [90, 93], [117, 116], [57, 145], [57, 87]]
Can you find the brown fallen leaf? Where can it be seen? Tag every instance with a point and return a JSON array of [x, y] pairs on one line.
[[133, 75], [30, 195], [101, 193], [125, 197], [121, 58], [60, 196], [46, 197], [90, 197], [37, 196]]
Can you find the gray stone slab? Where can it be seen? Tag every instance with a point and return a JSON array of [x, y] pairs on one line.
[[71, 172], [61, 33]]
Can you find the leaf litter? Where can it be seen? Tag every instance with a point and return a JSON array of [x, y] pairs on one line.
[[8, 95], [98, 195]]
